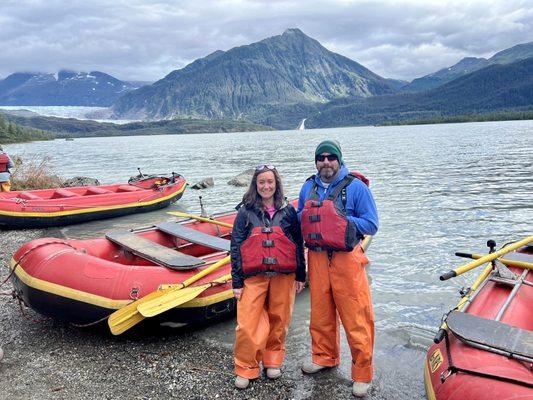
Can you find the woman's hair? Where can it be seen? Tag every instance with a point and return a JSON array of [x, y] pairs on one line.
[[252, 199]]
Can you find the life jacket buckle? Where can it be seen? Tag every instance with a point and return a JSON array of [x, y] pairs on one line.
[[314, 218], [266, 229], [268, 243], [270, 261], [314, 236], [316, 204]]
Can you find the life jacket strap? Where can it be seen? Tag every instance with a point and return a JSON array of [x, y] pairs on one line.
[[314, 218], [268, 243], [270, 261]]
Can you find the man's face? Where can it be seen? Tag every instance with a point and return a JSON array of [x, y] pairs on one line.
[[327, 165]]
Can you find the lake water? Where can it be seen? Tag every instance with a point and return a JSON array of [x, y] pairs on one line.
[[439, 189]]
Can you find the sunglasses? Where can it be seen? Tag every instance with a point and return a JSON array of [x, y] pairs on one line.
[[329, 157], [268, 167]]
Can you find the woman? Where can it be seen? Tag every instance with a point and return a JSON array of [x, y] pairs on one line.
[[267, 268]]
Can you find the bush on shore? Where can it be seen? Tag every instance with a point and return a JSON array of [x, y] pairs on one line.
[[33, 174]]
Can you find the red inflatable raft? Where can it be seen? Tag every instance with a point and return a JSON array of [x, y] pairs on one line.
[[484, 350], [58, 207], [84, 281]]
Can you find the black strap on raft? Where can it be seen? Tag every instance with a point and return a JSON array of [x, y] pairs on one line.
[[452, 369]]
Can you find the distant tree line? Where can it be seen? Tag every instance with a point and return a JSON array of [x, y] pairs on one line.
[[493, 116], [11, 132]]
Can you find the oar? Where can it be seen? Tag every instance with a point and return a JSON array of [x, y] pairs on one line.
[[489, 257], [199, 218], [177, 298], [510, 262], [128, 316]]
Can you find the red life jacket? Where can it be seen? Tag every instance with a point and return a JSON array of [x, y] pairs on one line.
[[325, 226], [4, 160], [268, 248]]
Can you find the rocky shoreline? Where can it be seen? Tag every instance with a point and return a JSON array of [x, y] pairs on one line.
[[46, 359]]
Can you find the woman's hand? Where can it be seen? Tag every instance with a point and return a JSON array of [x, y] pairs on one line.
[[299, 286], [237, 293]]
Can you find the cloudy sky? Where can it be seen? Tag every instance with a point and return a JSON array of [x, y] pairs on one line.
[[147, 39]]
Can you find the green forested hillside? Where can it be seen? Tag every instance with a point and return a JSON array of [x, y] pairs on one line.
[[492, 89], [10, 132], [71, 127]]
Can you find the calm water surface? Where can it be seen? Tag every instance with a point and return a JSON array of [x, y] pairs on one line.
[[439, 189]]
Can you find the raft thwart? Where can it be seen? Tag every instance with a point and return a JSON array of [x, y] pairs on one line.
[[152, 251]]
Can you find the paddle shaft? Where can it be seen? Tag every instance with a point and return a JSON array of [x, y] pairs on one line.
[[203, 273], [487, 258], [199, 218], [505, 261]]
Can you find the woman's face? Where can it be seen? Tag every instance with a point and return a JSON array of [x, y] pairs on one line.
[[266, 185]]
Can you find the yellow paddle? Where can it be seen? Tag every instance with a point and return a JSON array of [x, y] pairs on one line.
[[489, 257], [128, 316], [199, 218], [174, 299], [509, 261]]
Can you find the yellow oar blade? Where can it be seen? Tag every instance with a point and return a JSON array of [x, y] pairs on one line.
[[128, 316], [175, 298], [199, 218], [170, 300], [122, 327]]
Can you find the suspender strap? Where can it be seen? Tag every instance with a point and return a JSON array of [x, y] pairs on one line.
[[341, 187]]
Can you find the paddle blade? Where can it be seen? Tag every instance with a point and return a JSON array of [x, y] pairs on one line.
[[170, 300], [126, 324], [128, 316]]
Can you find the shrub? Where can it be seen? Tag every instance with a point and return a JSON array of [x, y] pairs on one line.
[[33, 174]]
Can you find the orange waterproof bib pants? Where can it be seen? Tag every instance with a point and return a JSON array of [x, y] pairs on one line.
[[263, 317], [339, 288]]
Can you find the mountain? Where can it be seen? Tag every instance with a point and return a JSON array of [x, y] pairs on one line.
[[264, 82], [67, 89], [467, 65], [493, 88]]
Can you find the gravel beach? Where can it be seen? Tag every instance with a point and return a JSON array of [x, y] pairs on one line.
[[46, 359]]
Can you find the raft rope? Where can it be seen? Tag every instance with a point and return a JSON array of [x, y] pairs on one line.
[[453, 369]]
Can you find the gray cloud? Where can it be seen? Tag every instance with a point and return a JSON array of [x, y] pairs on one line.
[[145, 40]]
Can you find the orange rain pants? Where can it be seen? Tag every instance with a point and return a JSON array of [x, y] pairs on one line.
[[263, 317], [5, 186], [339, 288]]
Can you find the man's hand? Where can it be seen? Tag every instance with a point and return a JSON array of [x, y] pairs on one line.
[[299, 286]]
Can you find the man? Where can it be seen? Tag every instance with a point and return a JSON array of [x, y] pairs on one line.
[[336, 210], [5, 164]]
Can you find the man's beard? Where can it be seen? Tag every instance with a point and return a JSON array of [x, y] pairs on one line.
[[327, 173]]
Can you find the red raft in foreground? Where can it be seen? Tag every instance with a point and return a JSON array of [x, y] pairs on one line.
[[84, 281], [58, 207], [484, 350]]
